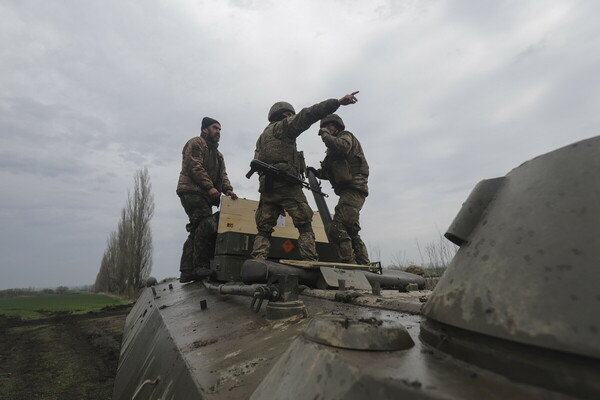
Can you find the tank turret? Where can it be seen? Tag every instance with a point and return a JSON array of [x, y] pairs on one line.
[[525, 279]]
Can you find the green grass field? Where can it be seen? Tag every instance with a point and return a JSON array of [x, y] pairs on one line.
[[33, 307]]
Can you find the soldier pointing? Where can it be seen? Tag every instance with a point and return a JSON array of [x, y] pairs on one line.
[[277, 146]]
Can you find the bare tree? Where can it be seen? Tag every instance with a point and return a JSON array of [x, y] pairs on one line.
[[127, 260], [123, 250], [398, 260], [440, 253], [140, 210]]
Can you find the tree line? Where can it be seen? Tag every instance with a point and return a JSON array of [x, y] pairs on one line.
[[22, 292], [127, 259]]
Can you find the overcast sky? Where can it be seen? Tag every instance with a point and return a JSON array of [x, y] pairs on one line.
[[451, 92]]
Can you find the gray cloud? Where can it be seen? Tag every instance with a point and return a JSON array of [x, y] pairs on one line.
[[451, 93]]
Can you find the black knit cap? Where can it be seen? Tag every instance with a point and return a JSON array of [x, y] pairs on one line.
[[207, 121]]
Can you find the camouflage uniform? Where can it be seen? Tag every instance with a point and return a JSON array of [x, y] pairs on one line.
[[277, 146], [346, 167], [202, 168]]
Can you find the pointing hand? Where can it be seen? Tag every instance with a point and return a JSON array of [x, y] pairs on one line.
[[349, 99]]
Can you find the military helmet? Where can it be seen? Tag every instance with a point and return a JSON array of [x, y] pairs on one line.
[[278, 108], [333, 119]]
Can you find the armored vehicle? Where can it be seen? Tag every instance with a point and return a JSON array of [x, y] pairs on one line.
[[515, 316]]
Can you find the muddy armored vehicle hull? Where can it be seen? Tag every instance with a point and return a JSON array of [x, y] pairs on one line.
[[516, 315]]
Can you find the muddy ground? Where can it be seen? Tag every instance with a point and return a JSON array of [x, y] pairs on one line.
[[63, 356]]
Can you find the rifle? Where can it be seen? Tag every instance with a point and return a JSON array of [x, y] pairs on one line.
[[257, 165]]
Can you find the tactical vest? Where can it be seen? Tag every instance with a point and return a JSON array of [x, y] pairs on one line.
[[341, 168], [358, 162], [280, 153]]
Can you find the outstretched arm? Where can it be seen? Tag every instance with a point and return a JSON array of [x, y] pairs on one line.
[[296, 124], [293, 126]]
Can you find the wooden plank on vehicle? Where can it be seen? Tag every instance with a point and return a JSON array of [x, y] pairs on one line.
[[319, 264]]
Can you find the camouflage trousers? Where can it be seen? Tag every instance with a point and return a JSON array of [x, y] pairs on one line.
[[292, 200], [345, 227], [199, 247]]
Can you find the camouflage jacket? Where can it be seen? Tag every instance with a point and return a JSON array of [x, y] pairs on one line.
[[277, 144], [202, 168], [345, 165]]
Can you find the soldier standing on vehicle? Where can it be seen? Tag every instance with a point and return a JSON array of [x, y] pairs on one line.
[[202, 180], [345, 166], [277, 146]]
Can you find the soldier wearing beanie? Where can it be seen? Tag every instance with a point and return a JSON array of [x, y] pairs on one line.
[[202, 180]]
